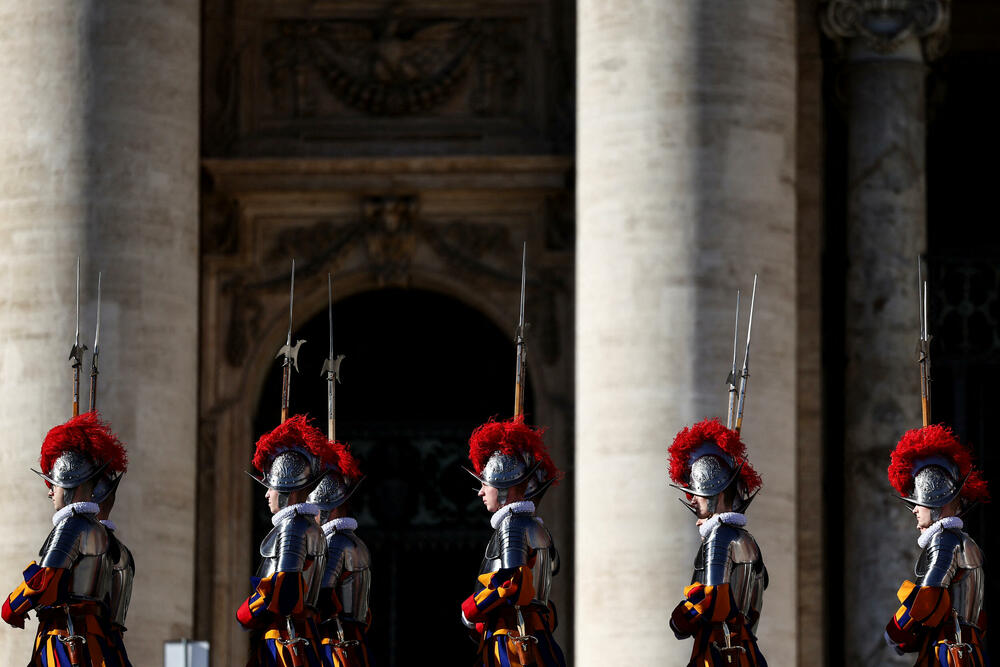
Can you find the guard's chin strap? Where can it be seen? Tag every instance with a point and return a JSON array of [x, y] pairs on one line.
[[69, 495], [282, 500]]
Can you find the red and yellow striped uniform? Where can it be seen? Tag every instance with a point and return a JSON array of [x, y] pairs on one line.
[[44, 590], [265, 612], [701, 614], [925, 624], [494, 610], [346, 654]]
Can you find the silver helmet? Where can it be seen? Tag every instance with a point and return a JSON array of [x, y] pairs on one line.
[[711, 471], [505, 471], [70, 470], [936, 482], [290, 470], [106, 485], [332, 492]]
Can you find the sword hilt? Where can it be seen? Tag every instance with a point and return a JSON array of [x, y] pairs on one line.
[[71, 639], [343, 642], [729, 652], [524, 640], [292, 643]]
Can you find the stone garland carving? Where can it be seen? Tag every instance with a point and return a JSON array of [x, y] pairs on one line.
[[389, 231], [394, 66], [886, 24]]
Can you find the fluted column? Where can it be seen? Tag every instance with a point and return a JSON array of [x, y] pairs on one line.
[[685, 168], [99, 137], [884, 46]]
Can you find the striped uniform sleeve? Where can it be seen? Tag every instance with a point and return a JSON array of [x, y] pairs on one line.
[[508, 585], [41, 587], [281, 593], [702, 604], [923, 608]]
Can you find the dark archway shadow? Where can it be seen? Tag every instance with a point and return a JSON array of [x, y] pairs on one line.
[[421, 371]]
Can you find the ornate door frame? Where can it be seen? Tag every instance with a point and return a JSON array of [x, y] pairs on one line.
[[452, 225]]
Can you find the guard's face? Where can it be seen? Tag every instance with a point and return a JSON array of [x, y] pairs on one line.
[[57, 496], [701, 505], [272, 500], [923, 515], [490, 497]]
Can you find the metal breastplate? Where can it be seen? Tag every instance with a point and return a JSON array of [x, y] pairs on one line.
[[518, 539], [80, 544], [954, 560], [348, 571], [122, 575], [730, 555], [296, 545]]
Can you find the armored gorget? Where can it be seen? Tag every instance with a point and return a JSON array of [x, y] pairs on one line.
[[729, 555], [295, 544], [348, 569], [518, 538], [954, 561], [79, 543], [122, 575]]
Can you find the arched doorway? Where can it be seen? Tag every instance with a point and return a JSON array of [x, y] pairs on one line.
[[422, 370]]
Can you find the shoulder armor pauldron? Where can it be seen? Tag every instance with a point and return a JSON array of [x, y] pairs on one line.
[[339, 544], [970, 555], [75, 536], [939, 560], [519, 534], [269, 547]]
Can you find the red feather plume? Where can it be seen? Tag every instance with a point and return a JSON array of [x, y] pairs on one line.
[[935, 439], [343, 459], [510, 436], [88, 435], [295, 433], [728, 440]]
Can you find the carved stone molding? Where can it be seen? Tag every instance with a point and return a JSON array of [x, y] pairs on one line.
[[885, 24], [392, 66], [403, 78]]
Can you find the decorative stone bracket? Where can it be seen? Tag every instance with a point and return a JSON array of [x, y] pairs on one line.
[[885, 25]]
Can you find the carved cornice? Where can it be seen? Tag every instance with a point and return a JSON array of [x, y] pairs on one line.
[[884, 25]]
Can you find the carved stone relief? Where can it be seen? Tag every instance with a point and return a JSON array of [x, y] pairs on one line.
[[394, 66], [399, 78]]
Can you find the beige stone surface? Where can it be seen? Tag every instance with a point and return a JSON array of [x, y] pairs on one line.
[[811, 525], [686, 177], [99, 137], [886, 231]]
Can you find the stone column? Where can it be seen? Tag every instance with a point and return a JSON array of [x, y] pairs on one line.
[[686, 172], [884, 51], [99, 139]]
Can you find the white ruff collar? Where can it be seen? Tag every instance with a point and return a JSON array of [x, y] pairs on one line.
[[936, 527], [74, 508], [291, 510], [520, 507], [343, 523], [109, 524], [731, 518]]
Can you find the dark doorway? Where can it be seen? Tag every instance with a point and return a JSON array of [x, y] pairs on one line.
[[421, 371]]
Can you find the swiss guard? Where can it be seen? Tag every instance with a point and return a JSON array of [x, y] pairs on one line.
[[123, 564], [941, 616], [509, 612], [70, 586], [343, 607], [722, 606], [282, 609], [344, 613]]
